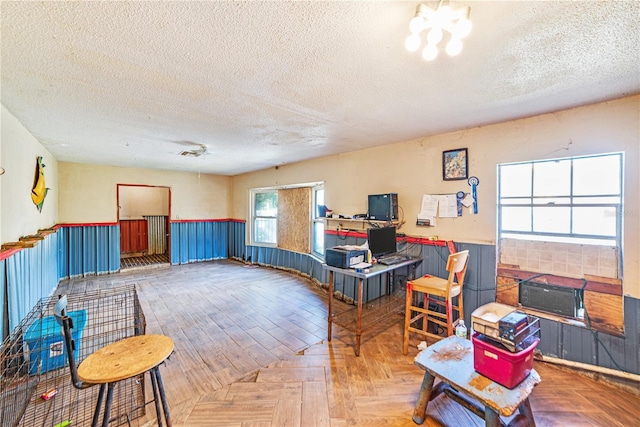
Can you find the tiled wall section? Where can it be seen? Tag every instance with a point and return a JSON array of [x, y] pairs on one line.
[[563, 259]]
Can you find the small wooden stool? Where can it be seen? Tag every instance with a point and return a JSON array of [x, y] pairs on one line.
[[124, 359], [451, 361]]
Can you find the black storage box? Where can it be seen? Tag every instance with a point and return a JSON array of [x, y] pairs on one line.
[[343, 258]]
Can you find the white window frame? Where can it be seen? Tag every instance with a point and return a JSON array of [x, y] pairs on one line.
[[312, 208], [316, 219], [569, 236], [253, 217]]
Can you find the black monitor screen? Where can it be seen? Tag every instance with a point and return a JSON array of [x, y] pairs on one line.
[[382, 240]]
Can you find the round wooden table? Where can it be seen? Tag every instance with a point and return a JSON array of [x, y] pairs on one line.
[[124, 359]]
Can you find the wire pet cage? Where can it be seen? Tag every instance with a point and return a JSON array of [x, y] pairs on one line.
[[35, 384]]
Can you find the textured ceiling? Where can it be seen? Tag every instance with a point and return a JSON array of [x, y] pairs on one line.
[[268, 83]]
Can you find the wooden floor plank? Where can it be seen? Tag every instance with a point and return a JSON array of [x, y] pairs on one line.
[[251, 355], [315, 405]]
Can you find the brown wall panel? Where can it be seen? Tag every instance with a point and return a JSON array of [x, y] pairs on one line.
[[133, 235]]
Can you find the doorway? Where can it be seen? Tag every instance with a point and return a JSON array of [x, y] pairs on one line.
[[143, 217]]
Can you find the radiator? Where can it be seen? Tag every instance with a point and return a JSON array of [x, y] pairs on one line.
[[157, 234]]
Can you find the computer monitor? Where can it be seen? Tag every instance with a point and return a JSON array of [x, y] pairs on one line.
[[382, 240]]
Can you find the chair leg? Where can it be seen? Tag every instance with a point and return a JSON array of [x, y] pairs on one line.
[[96, 413], [156, 397], [449, 317], [163, 397], [425, 318], [407, 318], [107, 406]]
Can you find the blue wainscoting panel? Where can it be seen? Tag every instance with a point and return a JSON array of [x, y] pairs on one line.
[[208, 240], [219, 239], [28, 275], [63, 252], [194, 241], [236, 242], [4, 332], [632, 334], [193, 238], [88, 249], [75, 248], [105, 239], [89, 255]]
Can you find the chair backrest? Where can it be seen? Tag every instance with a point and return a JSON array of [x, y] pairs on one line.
[[59, 311], [457, 266]]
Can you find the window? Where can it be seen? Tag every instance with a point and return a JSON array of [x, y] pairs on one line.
[[319, 212], [571, 200], [264, 216], [279, 214]]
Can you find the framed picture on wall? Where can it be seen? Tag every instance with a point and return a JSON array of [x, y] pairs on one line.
[[455, 164]]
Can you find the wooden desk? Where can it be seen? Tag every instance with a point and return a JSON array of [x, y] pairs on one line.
[[451, 361], [385, 308]]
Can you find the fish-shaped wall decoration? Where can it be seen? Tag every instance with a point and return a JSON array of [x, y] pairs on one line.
[[39, 190]]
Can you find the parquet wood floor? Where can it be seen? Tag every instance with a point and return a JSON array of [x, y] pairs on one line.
[[251, 350]]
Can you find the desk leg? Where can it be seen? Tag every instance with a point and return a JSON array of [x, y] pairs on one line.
[[330, 305], [525, 409], [491, 417], [359, 319], [420, 411]]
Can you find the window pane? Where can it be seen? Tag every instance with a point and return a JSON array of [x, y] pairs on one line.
[[515, 180], [552, 178], [266, 204], [551, 219], [318, 237], [516, 219], [599, 221], [265, 230], [319, 200], [596, 175]]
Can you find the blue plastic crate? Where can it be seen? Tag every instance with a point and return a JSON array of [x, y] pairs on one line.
[[46, 342]]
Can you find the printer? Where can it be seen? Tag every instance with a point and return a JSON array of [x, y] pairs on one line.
[[344, 257]]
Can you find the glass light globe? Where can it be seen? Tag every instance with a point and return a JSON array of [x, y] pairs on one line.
[[462, 28], [454, 46], [434, 36], [444, 15], [430, 52], [412, 43], [416, 24]]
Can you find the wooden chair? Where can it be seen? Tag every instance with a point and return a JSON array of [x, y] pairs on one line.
[[439, 292], [121, 360]]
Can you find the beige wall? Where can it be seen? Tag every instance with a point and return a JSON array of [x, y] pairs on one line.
[[88, 192], [136, 201], [18, 215], [413, 168]]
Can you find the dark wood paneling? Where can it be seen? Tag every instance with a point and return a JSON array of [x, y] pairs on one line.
[[133, 235]]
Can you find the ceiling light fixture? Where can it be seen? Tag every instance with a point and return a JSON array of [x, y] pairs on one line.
[[456, 22]]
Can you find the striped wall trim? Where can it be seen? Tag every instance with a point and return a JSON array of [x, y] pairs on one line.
[[89, 224], [178, 221], [7, 253], [408, 239]]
